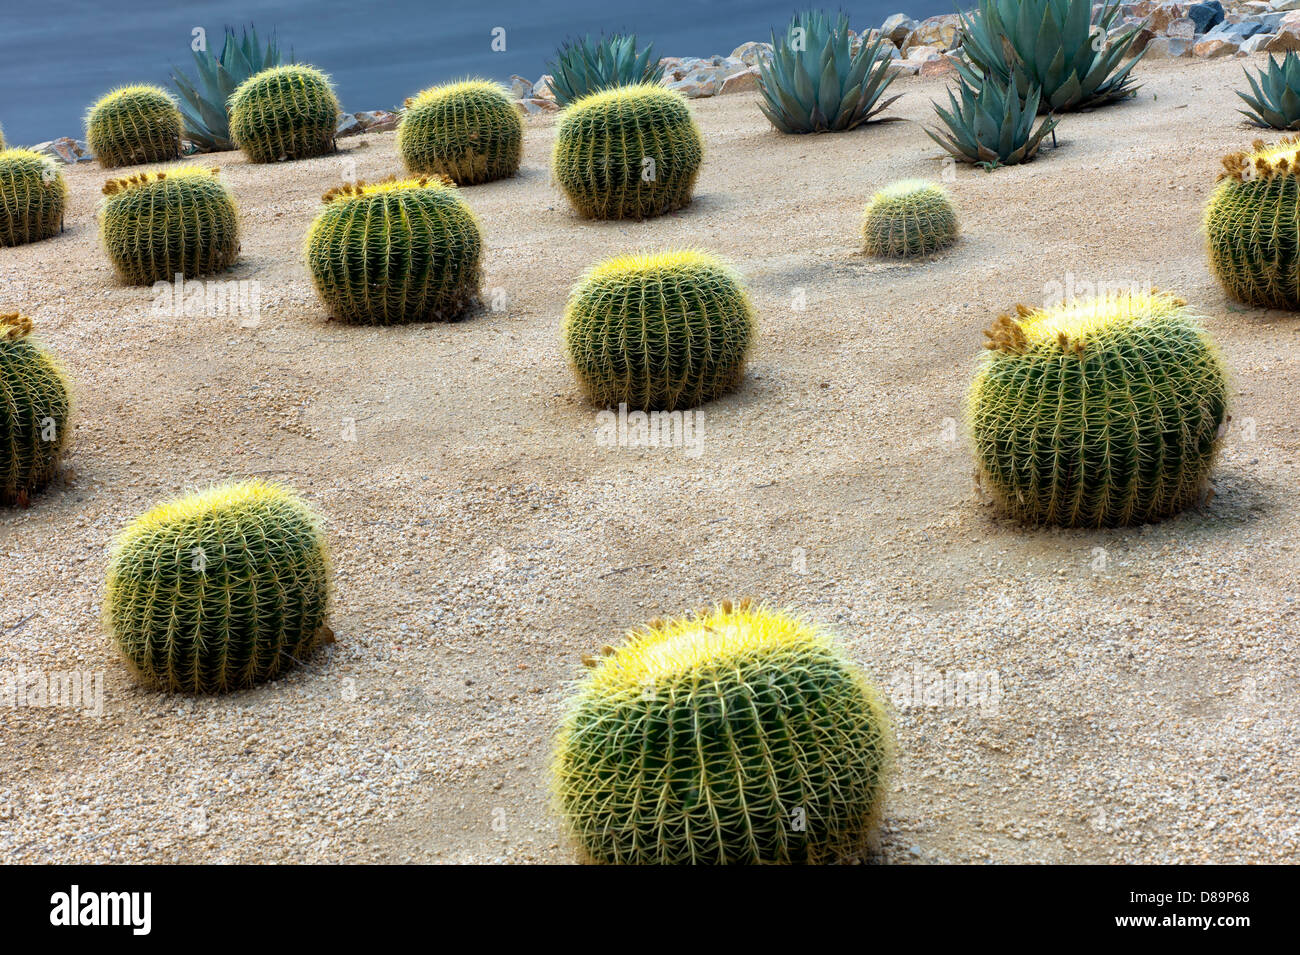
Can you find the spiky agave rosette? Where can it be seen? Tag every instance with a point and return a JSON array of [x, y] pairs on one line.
[[221, 589], [286, 112], [737, 735], [401, 250], [907, 218], [1252, 225], [134, 125], [33, 194], [658, 331], [1100, 412], [468, 131], [35, 410], [177, 221], [633, 152]]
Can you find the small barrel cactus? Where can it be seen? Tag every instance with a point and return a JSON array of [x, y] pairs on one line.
[[1252, 225], [1100, 412], [632, 152], [402, 250], [219, 590], [35, 407], [33, 194], [286, 112], [658, 331], [157, 225], [909, 218], [134, 125], [469, 132], [738, 735]]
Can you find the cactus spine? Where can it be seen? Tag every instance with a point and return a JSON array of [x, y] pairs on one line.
[[909, 218], [219, 590], [1101, 412], [658, 331], [35, 408], [470, 132], [1252, 225], [286, 112], [134, 125], [33, 194], [397, 251], [632, 152], [739, 735], [179, 221]]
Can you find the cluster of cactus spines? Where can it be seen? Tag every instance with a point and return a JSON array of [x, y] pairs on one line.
[[469, 132], [658, 331], [401, 250], [1252, 225], [180, 221], [1100, 412], [33, 193], [35, 408], [221, 589], [134, 125], [632, 152], [908, 218], [286, 112], [737, 735]]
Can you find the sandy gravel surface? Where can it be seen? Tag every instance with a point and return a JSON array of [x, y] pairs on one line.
[[484, 541]]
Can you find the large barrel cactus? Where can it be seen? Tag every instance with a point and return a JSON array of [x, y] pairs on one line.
[[469, 132], [134, 125], [1101, 412], [907, 218], [1252, 225], [157, 225], [403, 250], [628, 153], [738, 735], [35, 407], [33, 194], [286, 112], [658, 331], [219, 590]]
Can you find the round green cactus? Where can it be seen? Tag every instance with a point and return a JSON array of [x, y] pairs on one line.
[[157, 225], [1097, 413], [286, 112], [402, 250], [907, 218], [134, 125], [33, 194], [35, 407], [219, 590], [1252, 225], [658, 331], [738, 735], [632, 152], [470, 132]]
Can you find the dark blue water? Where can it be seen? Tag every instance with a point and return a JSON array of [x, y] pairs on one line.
[[57, 57]]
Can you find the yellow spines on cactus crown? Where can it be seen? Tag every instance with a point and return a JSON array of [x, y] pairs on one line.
[[207, 506], [13, 326], [1263, 160], [354, 190], [1072, 326], [112, 97], [907, 187], [123, 183], [631, 93], [638, 264], [457, 88]]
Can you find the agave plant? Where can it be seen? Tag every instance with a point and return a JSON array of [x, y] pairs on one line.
[[203, 104], [1276, 99], [1059, 46], [814, 84], [988, 124], [586, 67]]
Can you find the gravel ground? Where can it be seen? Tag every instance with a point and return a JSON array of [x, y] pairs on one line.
[[1146, 704]]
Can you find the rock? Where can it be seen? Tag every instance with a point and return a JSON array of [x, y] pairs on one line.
[[1281, 42], [1166, 47], [698, 84], [752, 53], [1205, 15], [1258, 6], [941, 66], [65, 150], [1210, 49], [542, 88], [899, 26], [743, 82], [348, 126], [938, 31], [520, 87], [1140, 39], [1289, 23], [533, 105], [1282, 5], [1181, 29], [1255, 43], [903, 68], [376, 120], [1163, 15], [1234, 31]]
